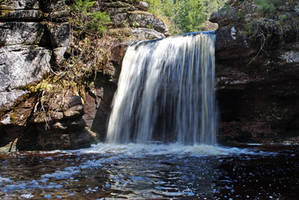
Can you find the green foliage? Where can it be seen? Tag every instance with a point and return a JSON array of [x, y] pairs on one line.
[[95, 21], [267, 5], [282, 16], [83, 5], [184, 15], [99, 21], [192, 16]]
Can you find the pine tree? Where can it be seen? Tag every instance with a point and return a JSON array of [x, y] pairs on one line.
[[185, 15]]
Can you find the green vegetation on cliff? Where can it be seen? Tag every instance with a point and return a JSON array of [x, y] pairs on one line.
[[84, 58], [95, 21], [185, 15]]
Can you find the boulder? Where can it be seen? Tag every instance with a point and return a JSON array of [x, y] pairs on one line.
[[26, 33], [7, 100], [119, 19], [60, 34], [21, 65], [146, 20], [19, 5], [227, 15], [142, 5]]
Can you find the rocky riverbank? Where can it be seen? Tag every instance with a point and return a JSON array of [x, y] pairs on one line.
[[52, 91], [257, 63], [57, 81]]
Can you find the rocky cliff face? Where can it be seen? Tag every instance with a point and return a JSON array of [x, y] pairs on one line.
[[36, 41], [45, 106], [131, 23], [257, 58]]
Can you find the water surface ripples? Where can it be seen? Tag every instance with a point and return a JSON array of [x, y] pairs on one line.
[[152, 171]]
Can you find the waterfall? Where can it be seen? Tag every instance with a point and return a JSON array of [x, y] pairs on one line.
[[166, 92]]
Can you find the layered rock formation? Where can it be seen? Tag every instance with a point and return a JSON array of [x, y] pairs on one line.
[[35, 46], [131, 23], [257, 61], [257, 56], [32, 32]]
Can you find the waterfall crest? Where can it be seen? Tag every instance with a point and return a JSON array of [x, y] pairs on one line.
[[166, 92]]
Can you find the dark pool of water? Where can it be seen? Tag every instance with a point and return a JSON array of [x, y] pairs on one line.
[[152, 172]]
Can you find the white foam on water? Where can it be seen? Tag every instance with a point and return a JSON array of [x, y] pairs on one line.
[[5, 180], [254, 144], [64, 174], [27, 196], [141, 150]]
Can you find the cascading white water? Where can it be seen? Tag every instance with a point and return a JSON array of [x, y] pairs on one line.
[[166, 92]]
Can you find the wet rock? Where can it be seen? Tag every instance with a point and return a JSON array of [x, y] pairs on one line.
[[21, 15], [98, 107], [257, 72], [34, 38], [119, 19], [74, 111], [296, 8], [21, 4], [55, 140], [143, 5], [57, 115], [60, 34], [52, 5], [59, 125], [58, 16], [225, 16], [28, 33], [147, 33], [8, 99], [59, 54], [77, 125], [10, 147], [129, 25], [82, 139], [290, 57], [231, 45], [20, 66], [61, 106], [51, 142], [145, 20], [17, 119]]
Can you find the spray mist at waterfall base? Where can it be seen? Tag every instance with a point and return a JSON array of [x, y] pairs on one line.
[[161, 141]]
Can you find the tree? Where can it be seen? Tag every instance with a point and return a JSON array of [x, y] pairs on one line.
[[185, 15]]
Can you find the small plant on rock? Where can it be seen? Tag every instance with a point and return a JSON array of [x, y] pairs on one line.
[[86, 19]]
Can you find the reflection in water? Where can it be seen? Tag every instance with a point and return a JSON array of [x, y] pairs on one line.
[[152, 171]]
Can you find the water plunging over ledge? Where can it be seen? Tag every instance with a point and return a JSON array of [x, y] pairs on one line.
[[166, 92]]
